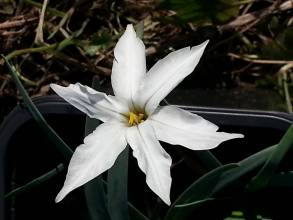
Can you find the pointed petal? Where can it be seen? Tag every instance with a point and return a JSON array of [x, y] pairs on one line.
[[152, 159], [129, 66], [166, 74], [177, 126], [93, 103], [96, 155]]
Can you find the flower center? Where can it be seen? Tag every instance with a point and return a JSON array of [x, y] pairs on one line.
[[136, 118]]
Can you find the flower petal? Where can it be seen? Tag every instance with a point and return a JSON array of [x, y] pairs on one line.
[[177, 126], [152, 159], [129, 65], [96, 155], [93, 103], [166, 74]]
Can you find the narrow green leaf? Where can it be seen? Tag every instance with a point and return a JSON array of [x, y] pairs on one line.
[[46, 128], [135, 214], [267, 171], [199, 190], [36, 182], [245, 166], [198, 202], [139, 29], [94, 190], [216, 180], [209, 159], [117, 187], [96, 199], [51, 11]]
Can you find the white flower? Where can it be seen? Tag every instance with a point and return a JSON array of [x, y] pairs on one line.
[[133, 116]]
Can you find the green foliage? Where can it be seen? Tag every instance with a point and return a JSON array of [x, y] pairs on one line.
[[200, 190], [280, 48], [60, 145], [118, 187], [94, 190], [201, 11], [96, 42], [272, 163]]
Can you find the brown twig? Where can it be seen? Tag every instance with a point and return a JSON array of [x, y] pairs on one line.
[[284, 73], [39, 39], [260, 61], [250, 19], [16, 23]]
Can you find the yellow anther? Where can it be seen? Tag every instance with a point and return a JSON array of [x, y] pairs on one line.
[[132, 117], [135, 119]]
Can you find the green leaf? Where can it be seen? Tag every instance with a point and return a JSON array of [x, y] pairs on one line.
[[135, 214], [91, 50], [139, 29], [198, 202], [214, 181], [36, 182], [281, 47], [245, 166], [60, 145], [267, 171], [94, 190], [200, 11], [117, 182], [96, 199], [209, 159], [199, 190]]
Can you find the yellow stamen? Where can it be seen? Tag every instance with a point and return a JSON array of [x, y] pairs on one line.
[[136, 118], [131, 118]]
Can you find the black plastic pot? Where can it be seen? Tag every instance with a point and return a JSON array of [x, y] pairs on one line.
[[25, 153]]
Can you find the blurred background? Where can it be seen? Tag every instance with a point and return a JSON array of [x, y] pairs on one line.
[[247, 64]]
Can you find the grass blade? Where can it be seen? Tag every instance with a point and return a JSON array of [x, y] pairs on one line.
[[217, 179], [135, 214], [60, 145], [209, 159], [268, 170], [199, 190], [245, 166], [94, 190], [36, 182], [117, 187]]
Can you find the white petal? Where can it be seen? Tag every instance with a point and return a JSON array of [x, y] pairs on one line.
[[96, 155], [93, 103], [129, 66], [152, 159], [177, 126], [166, 74]]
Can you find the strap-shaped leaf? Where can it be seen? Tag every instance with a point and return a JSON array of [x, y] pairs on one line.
[[268, 170], [209, 159], [36, 182], [212, 182], [245, 166], [117, 182], [199, 190], [60, 145], [94, 190]]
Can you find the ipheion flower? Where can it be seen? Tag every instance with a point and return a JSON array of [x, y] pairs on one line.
[[133, 116]]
